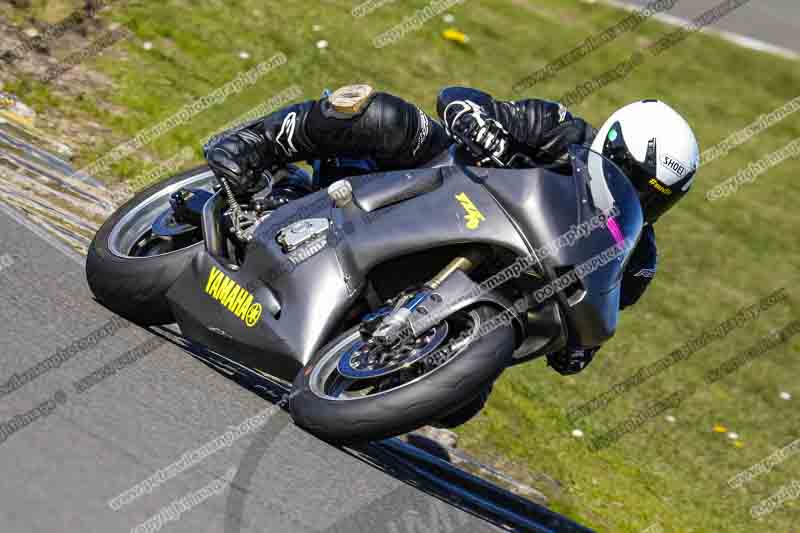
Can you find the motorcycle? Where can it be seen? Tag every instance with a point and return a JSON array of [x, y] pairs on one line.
[[390, 300]]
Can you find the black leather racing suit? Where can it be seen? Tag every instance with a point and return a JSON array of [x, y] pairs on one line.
[[395, 134]]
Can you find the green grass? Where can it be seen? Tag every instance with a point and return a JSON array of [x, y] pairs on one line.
[[714, 257]]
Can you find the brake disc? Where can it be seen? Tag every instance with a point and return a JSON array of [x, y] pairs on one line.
[[365, 360]]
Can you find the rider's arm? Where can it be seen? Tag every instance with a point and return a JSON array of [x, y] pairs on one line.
[[393, 132], [540, 129]]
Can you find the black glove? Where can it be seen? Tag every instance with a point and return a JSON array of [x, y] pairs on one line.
[[468, 124], [571, 360], [239, 157]]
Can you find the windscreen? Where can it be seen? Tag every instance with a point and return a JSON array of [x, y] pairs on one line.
[[609, 192]]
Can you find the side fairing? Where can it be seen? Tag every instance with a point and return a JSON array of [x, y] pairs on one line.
[[519, 210], [550, 208], [314, 293], [278, 345]]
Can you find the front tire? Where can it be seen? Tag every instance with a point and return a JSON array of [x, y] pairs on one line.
[[467, 412], [386, 413]]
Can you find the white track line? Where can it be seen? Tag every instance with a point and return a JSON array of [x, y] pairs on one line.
[[737, 38]]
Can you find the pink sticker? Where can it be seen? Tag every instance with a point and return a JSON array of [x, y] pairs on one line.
[[613, 227]]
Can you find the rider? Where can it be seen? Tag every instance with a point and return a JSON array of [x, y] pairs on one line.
[[650, 142]]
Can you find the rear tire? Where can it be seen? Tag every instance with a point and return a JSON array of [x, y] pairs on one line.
[[136, 287], [407, 407]]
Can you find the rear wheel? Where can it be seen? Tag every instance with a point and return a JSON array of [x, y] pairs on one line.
[[352, 391], [129, 268]]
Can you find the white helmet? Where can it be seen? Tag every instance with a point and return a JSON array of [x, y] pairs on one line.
[[656, 149]]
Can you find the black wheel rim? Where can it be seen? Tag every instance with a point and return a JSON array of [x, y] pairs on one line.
[[132, 238]]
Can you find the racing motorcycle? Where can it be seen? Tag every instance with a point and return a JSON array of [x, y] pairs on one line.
[[391, 299]]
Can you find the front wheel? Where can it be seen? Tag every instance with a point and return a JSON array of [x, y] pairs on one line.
[[348, 393]]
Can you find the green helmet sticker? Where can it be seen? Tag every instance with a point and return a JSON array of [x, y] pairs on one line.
[[612, 135]]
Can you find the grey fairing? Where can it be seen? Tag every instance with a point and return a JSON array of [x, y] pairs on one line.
[[315, 294], [522, 210], [547, 205]]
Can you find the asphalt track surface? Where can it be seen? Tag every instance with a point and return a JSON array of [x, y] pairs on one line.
[[60, 470], [772, 21]]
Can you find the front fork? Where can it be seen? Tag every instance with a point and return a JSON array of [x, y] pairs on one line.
[[387, 327]]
